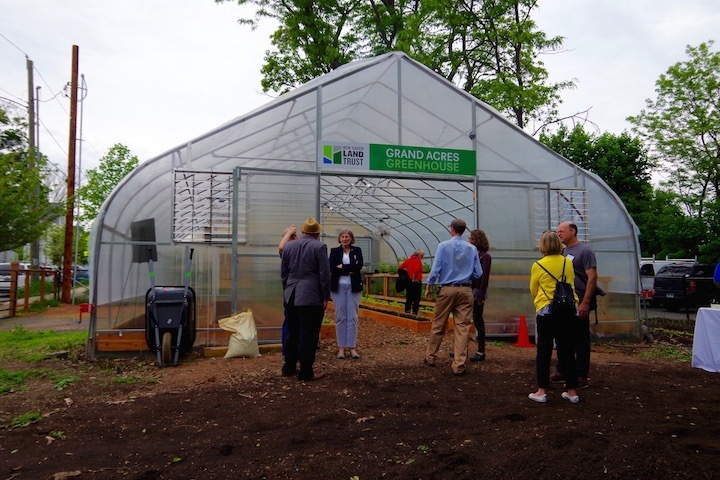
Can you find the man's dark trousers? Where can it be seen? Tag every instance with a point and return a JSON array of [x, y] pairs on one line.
[[303, 325]]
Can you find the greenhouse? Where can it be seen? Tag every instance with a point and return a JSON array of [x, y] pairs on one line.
[[383, 146]]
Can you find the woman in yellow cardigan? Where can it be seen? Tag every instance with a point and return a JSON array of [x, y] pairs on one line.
[[553, 327]]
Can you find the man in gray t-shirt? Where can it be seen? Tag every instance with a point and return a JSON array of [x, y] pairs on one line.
[[585, 266]]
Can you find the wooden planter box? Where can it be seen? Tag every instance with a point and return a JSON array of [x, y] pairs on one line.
[[420, 326], [327, 330]]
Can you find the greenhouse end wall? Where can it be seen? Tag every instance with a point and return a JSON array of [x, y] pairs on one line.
[[261, 172]]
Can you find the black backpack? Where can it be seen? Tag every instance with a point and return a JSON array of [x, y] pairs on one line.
[[563, 301]]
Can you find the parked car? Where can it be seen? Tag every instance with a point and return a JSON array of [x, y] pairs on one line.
[[5, 273], [681, 285], [81, 274], [649, 266]]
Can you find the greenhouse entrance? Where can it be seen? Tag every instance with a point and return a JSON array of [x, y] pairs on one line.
[[390, 216]]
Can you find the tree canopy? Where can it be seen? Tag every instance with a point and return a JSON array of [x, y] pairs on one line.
[[100, 181], [489, 48], [26, 211], [681, 126], [621, 161], [54, 247]]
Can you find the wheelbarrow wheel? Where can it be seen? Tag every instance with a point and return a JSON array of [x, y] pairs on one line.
[[167, 348]]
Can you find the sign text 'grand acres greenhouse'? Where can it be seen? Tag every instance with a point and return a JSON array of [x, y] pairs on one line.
[[396, 158]]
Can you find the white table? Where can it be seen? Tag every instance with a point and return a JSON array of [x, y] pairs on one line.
[[706, 340]]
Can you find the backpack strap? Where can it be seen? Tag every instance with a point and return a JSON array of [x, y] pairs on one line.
[[553, 277], [562, 276], [546, 271]]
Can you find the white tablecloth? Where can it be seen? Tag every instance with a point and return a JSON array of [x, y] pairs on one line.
[[706, 340]]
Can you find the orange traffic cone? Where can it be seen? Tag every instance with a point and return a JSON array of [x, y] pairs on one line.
[[523, 337]]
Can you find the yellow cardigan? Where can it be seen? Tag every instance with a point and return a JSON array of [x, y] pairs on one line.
[[542, 285]]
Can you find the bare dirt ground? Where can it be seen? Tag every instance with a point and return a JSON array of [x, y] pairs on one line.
[[383, 416]]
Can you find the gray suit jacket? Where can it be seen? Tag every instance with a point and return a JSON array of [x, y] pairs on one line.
[[306, 272]]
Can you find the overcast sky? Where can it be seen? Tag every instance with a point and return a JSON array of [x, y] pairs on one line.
[[161, 72]]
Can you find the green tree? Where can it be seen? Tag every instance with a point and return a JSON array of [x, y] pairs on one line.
[[682, 130], [621, 161], [54, 248], [665, 230], [113, 167], [26, 211], [516, 82], [487, 48]]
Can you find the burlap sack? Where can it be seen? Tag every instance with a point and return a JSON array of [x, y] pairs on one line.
[[243, 341]]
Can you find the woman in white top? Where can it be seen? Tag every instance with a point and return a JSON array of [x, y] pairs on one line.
[[346, 288]]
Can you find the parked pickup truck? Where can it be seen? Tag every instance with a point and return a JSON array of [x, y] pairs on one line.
[[682, 285]]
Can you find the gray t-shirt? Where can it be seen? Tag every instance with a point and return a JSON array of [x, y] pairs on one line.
[[583, 259]]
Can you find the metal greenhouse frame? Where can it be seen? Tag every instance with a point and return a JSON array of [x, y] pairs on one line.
[[383, 146]]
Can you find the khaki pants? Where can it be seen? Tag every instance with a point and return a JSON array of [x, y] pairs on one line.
[[459, 302]]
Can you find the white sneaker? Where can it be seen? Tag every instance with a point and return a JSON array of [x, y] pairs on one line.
[[538, 398], [570, 398]]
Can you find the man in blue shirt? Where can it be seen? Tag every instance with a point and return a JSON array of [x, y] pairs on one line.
[[455, 266]]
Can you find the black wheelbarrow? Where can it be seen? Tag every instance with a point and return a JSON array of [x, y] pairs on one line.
[[170, 318]]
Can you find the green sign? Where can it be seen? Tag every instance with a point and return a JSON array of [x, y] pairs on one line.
[[396, 158]]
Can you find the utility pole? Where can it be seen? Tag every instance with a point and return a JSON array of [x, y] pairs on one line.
[[83, 94], [31, 110], [37, 118], [32, 151], [68, 276]]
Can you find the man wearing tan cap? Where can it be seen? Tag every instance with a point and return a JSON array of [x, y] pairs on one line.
[[454, 268], [305, 274]]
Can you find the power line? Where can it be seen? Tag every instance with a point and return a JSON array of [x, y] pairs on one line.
[[13, 95], [11, 43], [47, 130], [55, 95]]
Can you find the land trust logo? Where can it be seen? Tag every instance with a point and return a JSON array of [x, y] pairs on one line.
[[353, 156]]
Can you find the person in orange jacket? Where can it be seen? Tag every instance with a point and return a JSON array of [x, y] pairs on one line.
[[414, 267]]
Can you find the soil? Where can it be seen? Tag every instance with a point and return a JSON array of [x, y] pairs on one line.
[[382, 416]]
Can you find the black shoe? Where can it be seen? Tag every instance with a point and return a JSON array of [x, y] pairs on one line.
[[478, 357], [427, 364], [460, 373]]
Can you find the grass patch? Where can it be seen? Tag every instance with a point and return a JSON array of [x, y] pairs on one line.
[[57, 435], [63, 381], [132, 379], [12, 381], [35, 287], [23, 345], [31, 346], [42, 305], [673, 335], [669, 352], [24, 420]]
